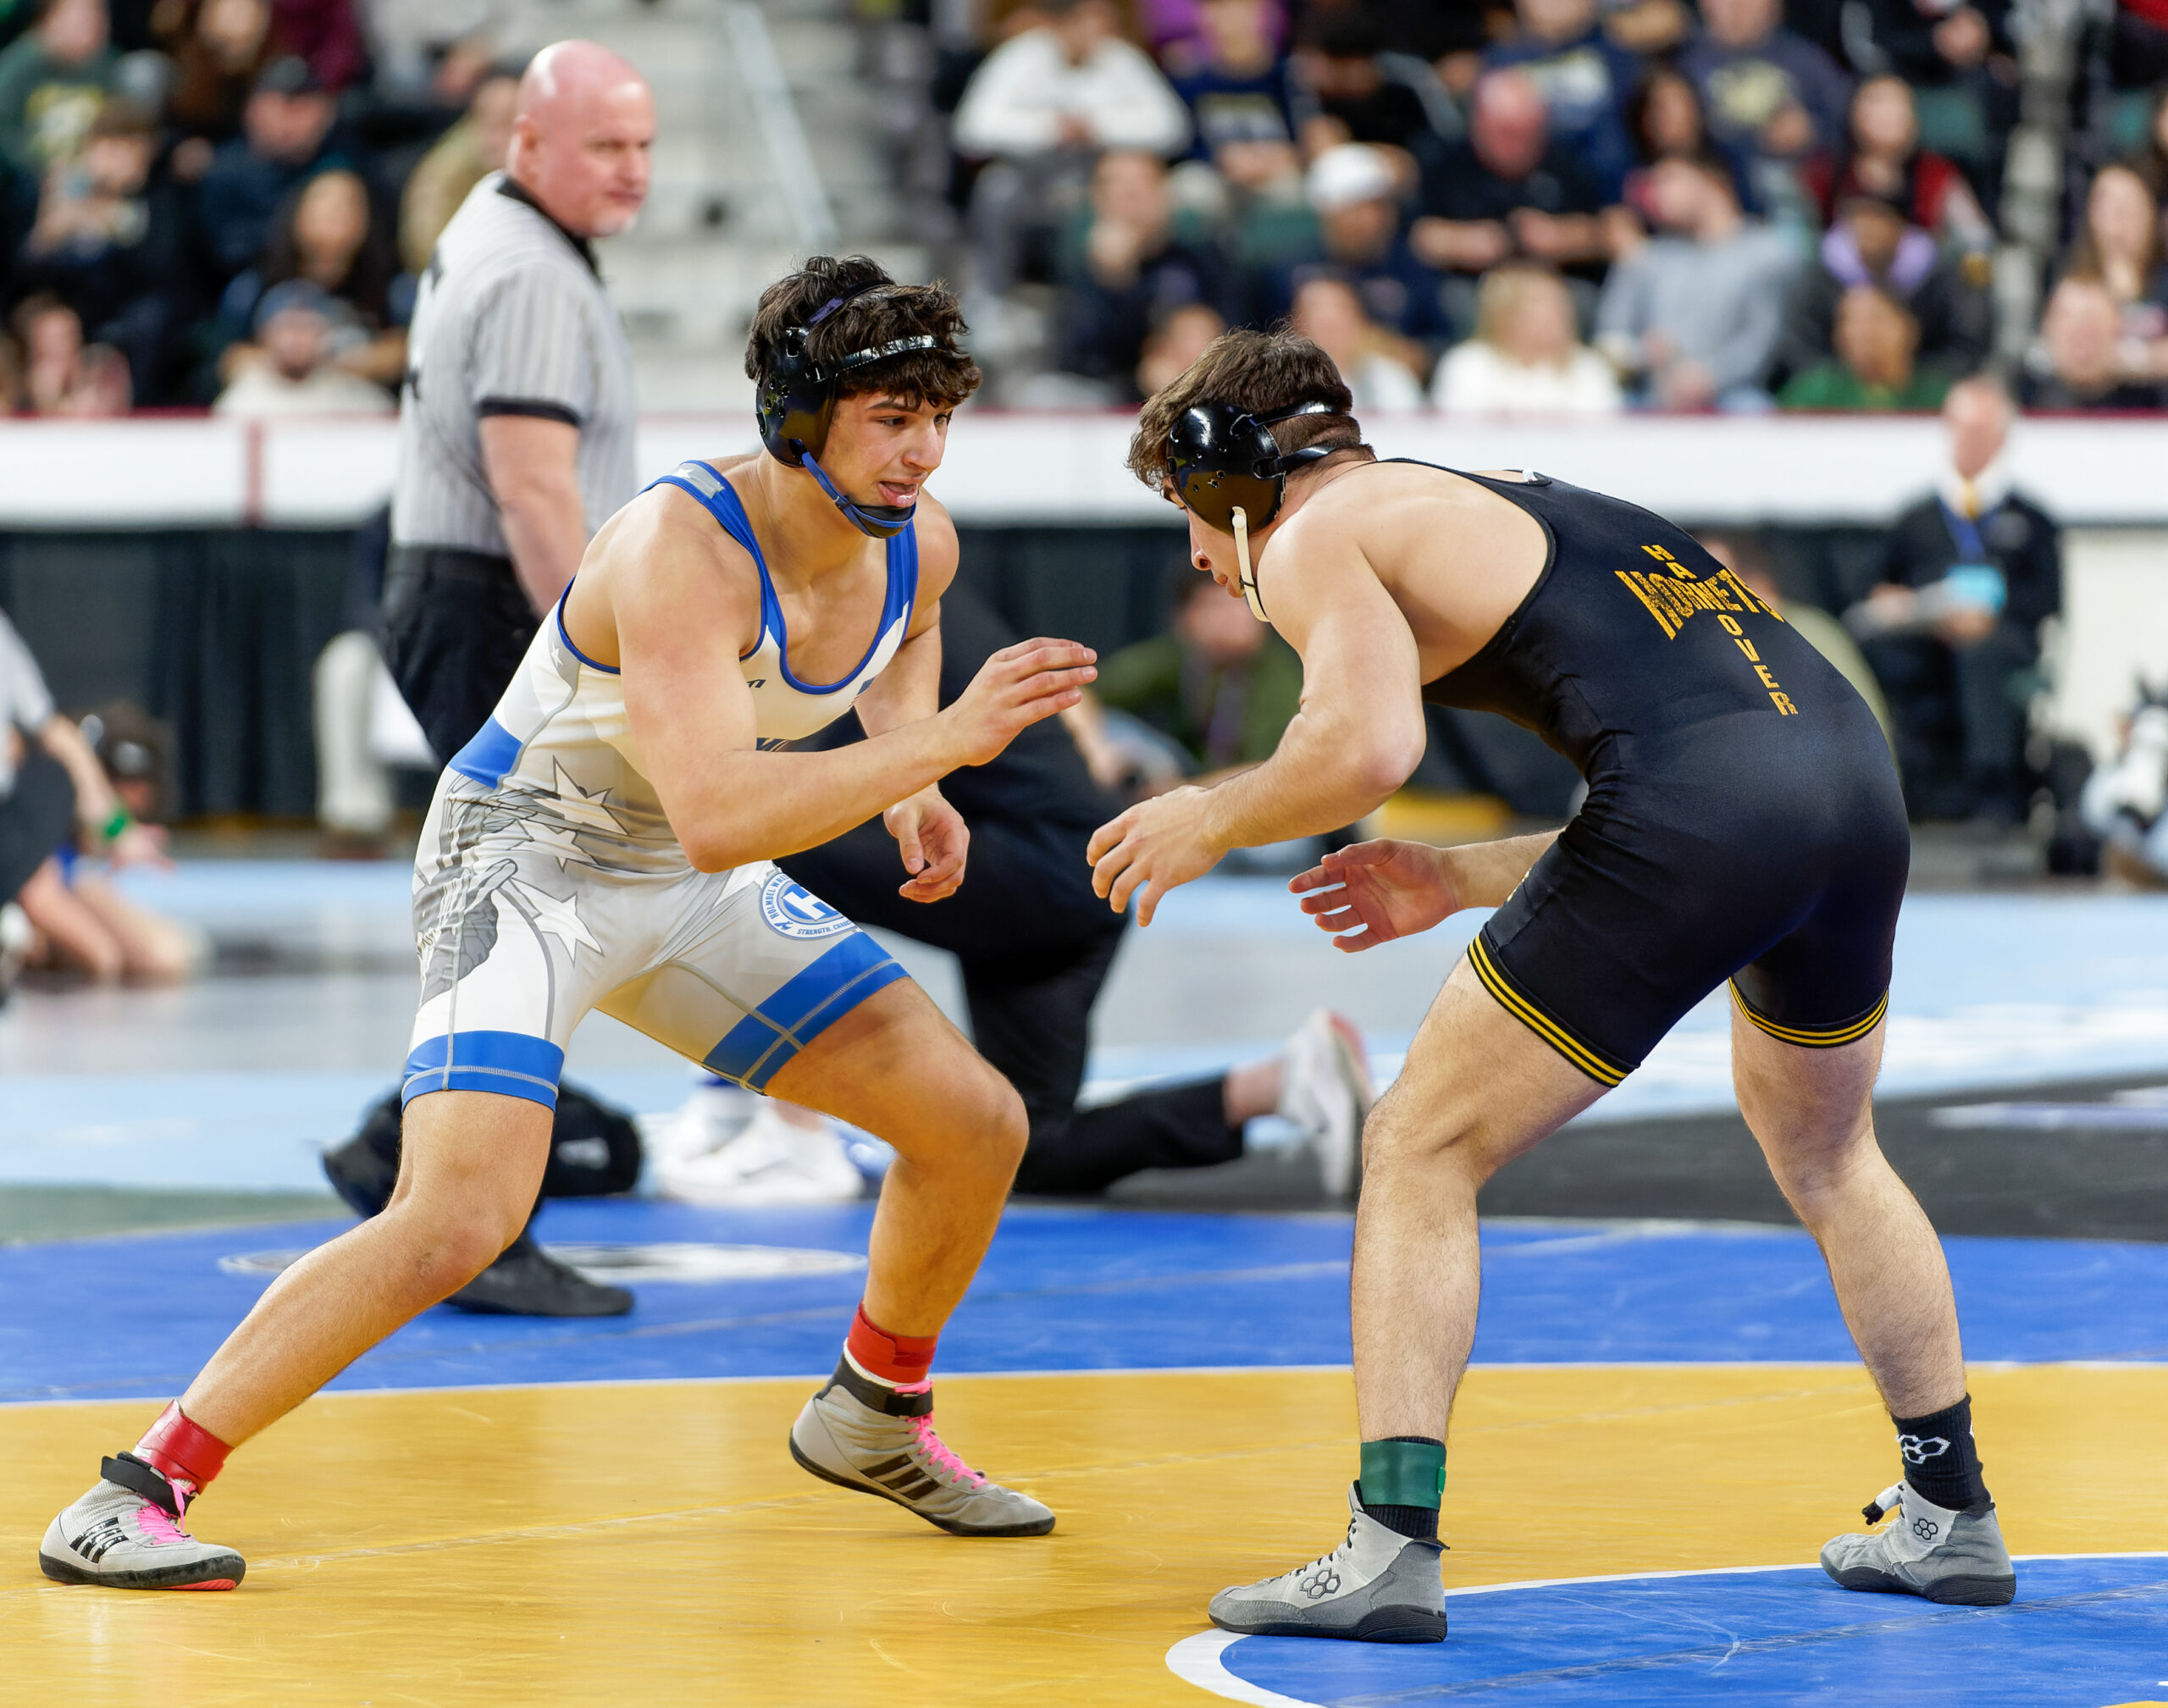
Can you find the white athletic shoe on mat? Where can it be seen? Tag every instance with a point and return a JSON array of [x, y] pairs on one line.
[[713, 1115], [1956, 1558], [879, 1440], [1378, 1586], [127, 1534], [768, 1162], [1324, 1089]]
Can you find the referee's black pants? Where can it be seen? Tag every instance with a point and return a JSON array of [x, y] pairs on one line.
[[1032, 969]]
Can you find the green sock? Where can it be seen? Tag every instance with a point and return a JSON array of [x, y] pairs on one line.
[[1403, 1480]]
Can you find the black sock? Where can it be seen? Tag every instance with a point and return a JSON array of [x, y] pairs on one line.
[[1940, 1460], [1400, 1472]]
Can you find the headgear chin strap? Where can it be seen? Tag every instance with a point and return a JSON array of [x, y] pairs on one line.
[[796, 404], [1226, 466]]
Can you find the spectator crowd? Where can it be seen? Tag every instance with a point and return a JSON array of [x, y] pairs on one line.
[[1550, 205], [227, 202]]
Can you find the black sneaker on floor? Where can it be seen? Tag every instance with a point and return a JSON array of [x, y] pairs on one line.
[[526, 1281], [363, 1170]]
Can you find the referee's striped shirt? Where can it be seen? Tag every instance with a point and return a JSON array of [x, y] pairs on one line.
[[512, 319]]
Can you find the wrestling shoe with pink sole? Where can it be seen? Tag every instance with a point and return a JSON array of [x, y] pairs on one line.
[[127, 1534], [858, 1435]]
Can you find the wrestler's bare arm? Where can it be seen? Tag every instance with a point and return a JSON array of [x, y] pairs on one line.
[[1360, 731]]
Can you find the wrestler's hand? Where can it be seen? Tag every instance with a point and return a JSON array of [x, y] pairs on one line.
[[1155, 845], [1014, 689], [1389, 889], [933, 838]]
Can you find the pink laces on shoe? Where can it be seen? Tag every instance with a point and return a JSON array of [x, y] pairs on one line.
[[160, 1526], [941, 1453]]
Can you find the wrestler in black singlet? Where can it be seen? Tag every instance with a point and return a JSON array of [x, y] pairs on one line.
[[1743, 818]]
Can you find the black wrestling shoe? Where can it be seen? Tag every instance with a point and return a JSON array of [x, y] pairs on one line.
[[526, 1281], [364, 1169]]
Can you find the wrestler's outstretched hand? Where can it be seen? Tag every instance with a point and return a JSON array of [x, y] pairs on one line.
[[1014, 689], [1388, 889], [932, 838]]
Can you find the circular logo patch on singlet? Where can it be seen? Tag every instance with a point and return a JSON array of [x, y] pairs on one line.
[[795, 911]]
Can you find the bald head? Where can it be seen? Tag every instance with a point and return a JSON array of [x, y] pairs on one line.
[[581, 137]]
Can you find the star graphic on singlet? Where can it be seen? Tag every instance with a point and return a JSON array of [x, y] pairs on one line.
[[562, 840], [583, 807], [557, 918]]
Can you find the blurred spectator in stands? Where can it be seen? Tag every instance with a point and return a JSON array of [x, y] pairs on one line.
[[1504, 191], [109, 241], [1176, 342], [1354, 193], [1871, 244], [1219, 688], [323, 35], [1127, 267], [463, 156], [293, 372], [1664, 121], [1240, 96], [1875, 366], [1968, 575], [55, 793], [1526, 357], [2119, 246], [1338, 61], [53, 82], [219, 48], [286, 137], [330, 235], [1384, 373], [1772, 96], [62, 375], [1880, 155], [1694, 314], [2150, 160], [432, 52], [2080, 361], [1039, 109], [1934, 44], [1582, 79], [1745, 555]]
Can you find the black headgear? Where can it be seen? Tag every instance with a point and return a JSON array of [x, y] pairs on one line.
[[797, 401], [1221, 456], [1226, 466]]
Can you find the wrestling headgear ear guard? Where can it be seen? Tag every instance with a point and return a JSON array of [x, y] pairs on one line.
[[1224, 464], [797, 401]]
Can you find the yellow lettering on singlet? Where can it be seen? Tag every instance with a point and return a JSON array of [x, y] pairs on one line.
[[1730, 627], [1636, 584], [1658, 553], [1767, 681], [1746, 646], [1784, 706]]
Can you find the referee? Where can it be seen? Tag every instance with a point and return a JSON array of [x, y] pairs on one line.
[[515, 445]]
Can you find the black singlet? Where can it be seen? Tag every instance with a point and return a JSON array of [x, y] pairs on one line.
[[1743, 819]]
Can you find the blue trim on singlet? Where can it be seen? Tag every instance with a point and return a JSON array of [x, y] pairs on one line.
[[566, 636], [729, 512], [488, 758], [752, 1051], [512, 1065]]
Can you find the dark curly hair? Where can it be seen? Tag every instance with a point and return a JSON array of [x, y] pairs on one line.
[[1261, 372], [943, 376]]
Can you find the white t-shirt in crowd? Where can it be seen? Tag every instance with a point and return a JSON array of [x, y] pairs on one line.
[[1017, 98], [1477, 379], [26, 702], [1383, 386]]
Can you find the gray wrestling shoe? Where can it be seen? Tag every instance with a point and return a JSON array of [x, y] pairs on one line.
[[1378, 1586], [858, 1435], [127, 1534], [1956, 1558]]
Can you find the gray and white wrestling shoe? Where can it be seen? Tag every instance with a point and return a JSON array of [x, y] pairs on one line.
[[1325, 1090], [858, 1435], [127, 1534], [1378, 1586], [1957, 1558]]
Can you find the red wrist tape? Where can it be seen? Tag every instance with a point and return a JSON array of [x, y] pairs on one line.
[[902, 1359], [182, 1451]]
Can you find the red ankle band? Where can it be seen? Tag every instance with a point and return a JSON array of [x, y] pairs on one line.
[[180, 1450], [902, 1359]]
